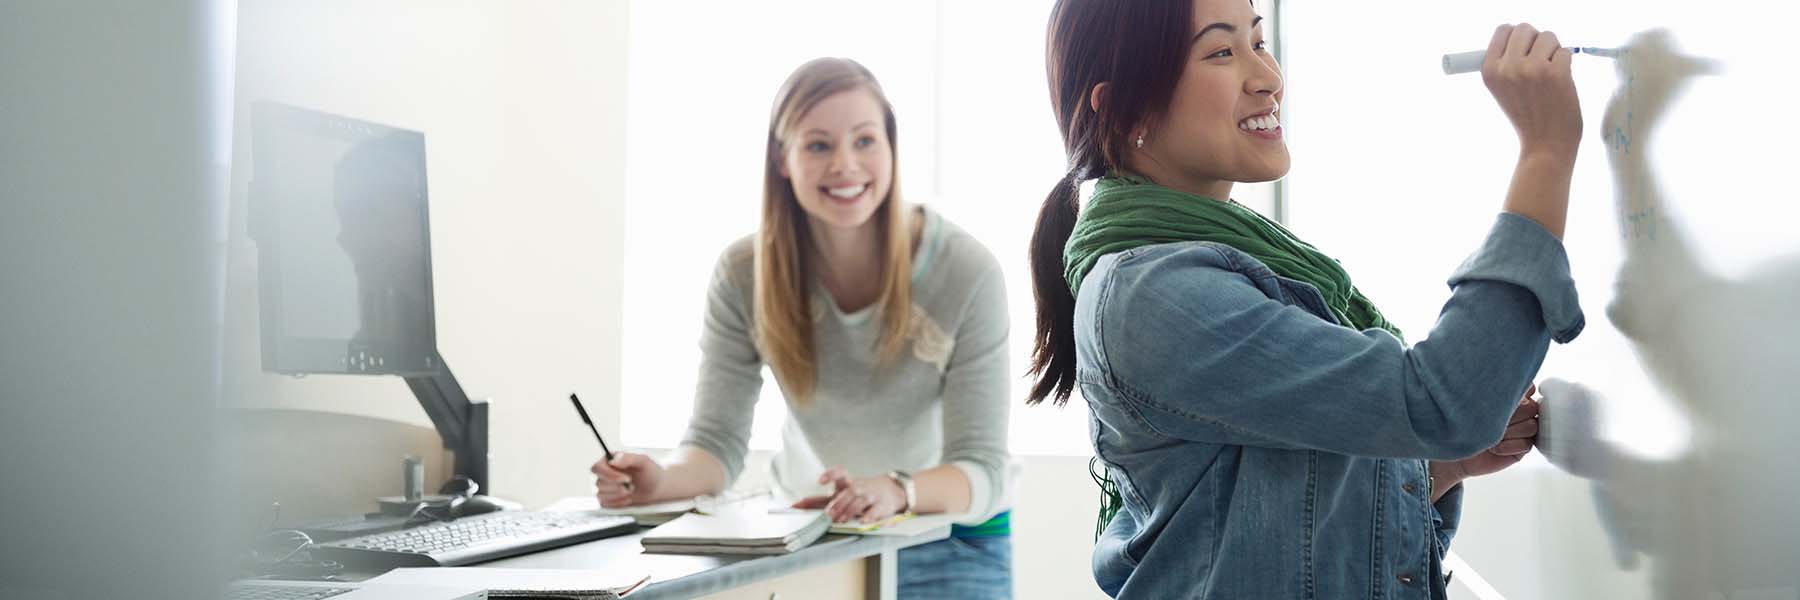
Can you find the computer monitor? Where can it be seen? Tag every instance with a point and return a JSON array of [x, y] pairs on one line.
[[344, 246], [339, 210]]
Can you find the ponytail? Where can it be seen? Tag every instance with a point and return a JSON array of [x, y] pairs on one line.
[[1139, 48], [1053, 349]]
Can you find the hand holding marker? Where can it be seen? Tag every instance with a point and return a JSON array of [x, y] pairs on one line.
[[1467, 62]]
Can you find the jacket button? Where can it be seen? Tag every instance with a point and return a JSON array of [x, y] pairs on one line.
[[1406, 579], [1410, 488]]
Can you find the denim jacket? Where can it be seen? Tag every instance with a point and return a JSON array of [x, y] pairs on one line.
[[1265, 452]]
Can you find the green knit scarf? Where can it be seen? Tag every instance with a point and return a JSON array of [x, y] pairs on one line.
[[1128, 211]]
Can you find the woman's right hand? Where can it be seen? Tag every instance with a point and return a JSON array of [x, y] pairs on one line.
[[629, 479], [1528, 73]]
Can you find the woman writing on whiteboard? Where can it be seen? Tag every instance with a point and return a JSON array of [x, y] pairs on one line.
[[1265, 431], [885, 326]]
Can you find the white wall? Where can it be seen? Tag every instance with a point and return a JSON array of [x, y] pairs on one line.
[[522, 107], [1529, 532], [1053, 527]]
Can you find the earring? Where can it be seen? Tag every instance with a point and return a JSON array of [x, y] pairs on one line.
[[1140, 141]]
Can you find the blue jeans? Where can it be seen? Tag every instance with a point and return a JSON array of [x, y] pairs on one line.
[[972, 568]]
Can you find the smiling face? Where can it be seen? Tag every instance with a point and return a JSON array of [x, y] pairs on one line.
[[1223, 122], [839, 160]]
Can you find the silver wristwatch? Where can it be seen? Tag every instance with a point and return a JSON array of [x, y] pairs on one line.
[[906, 483]]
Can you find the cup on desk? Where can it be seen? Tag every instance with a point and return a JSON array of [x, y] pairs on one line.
[[412, 476]]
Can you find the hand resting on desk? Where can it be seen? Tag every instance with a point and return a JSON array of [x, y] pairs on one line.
[[865, 499]]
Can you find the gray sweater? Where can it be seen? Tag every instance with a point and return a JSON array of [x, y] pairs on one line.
[[944, 400]]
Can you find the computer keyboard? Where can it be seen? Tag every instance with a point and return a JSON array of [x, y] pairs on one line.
[[474, 539]]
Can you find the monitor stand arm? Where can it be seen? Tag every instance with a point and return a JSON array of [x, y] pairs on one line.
[[463, 424]]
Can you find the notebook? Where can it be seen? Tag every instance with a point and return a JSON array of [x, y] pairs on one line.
[[538, 584], [649, 515], [904, 524], [737, 532]]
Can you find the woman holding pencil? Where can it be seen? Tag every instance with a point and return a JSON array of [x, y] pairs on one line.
[[885, 326]]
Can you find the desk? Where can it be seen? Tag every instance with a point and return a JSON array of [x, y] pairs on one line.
[[836, 566]]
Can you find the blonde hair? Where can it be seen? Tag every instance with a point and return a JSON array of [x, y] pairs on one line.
[[783, 307]]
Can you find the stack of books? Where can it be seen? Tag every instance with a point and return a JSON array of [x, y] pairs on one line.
[[737, 532]]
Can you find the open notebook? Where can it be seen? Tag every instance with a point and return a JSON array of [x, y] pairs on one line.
[[904, 524]]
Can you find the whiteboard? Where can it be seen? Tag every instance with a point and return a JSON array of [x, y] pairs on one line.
[[1674, 471]]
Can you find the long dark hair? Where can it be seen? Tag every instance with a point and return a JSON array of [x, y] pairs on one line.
[[1138, 48]]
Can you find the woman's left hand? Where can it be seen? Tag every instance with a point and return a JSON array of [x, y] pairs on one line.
[[865, 499], [1521, 435]]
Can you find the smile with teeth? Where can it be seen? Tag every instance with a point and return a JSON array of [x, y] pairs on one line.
[[1260, 123], [847, 192]]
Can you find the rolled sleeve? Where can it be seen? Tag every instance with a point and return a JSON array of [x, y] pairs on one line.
[[1521, 252], [984, 491]]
